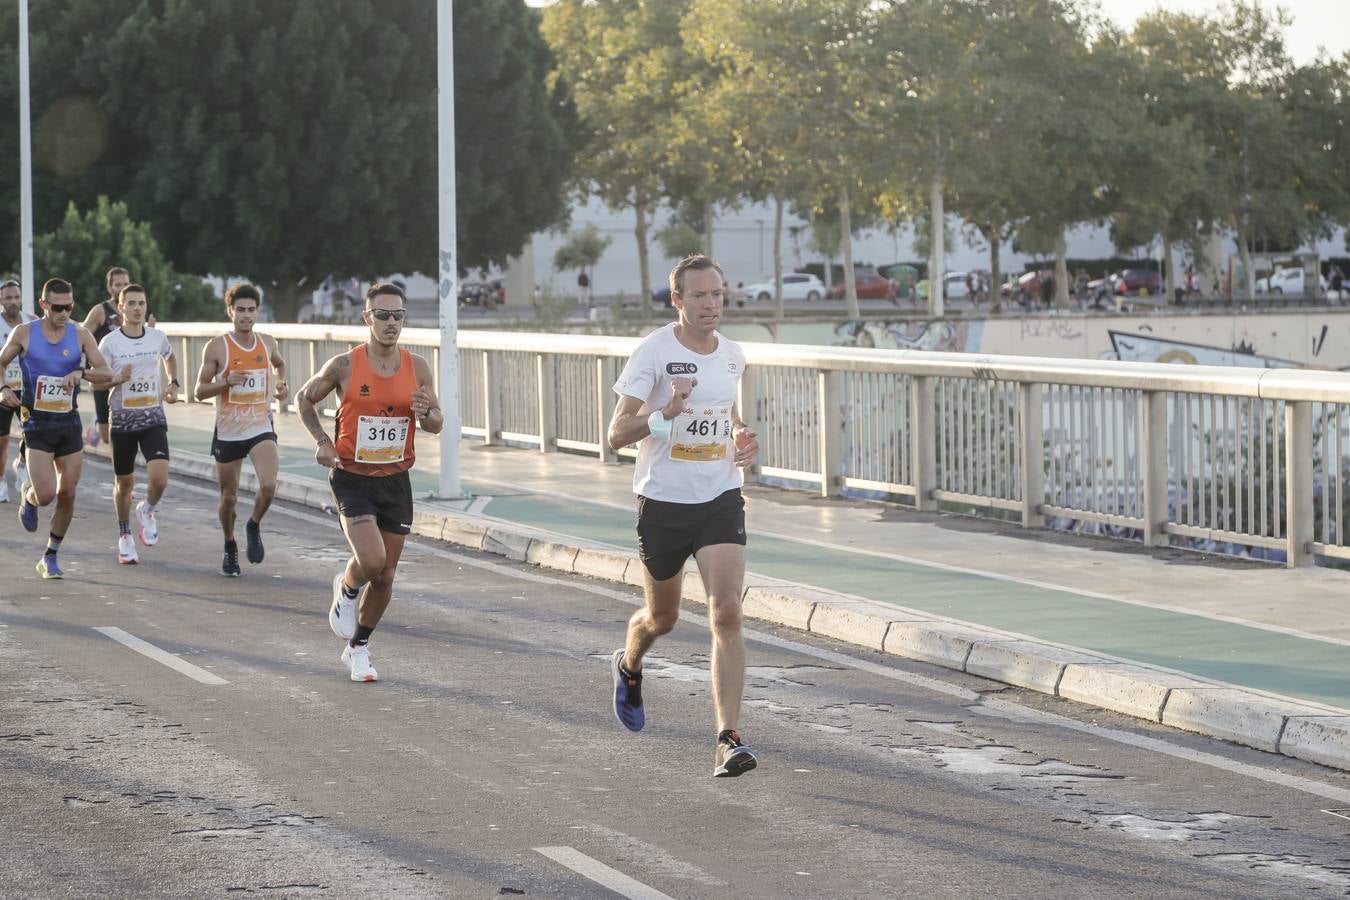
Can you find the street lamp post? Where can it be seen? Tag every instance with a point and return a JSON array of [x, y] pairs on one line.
[[25, 167], [447, 275]]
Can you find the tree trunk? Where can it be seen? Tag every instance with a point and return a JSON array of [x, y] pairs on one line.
[[1169, 269], [708, 229], [1248, 289], [846, 244], [286, 298], [778, 257], [644, 265], [995, 275], [937, 252], [1061, 271]]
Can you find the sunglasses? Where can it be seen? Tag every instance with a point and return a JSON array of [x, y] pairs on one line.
[[384, 315], [61, 307]]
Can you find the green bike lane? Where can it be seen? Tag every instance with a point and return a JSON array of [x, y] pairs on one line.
[[1247, 656]]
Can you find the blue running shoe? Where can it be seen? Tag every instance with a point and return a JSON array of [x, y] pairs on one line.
[[627, 694], [732, 758], [48, 567], [27, 511]]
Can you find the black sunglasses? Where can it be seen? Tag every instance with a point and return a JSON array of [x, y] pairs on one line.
[[384, 315], [60, 307]]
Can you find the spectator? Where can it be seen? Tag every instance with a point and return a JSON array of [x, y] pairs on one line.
[[1336, 282]]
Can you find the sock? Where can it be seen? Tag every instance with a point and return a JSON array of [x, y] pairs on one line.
[[54, 543], [252, 525], [362, 636], [349, 592], [123, 527], [728, 733], [627, 672], [231, 545], [149, 507]]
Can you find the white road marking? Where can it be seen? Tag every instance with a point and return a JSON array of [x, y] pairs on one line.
[[980, 703], [160, 656], [602, 874]]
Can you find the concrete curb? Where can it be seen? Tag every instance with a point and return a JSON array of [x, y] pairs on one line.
[[1266, 722]]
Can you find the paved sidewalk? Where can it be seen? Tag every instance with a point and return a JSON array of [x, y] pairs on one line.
[[1281, 636]]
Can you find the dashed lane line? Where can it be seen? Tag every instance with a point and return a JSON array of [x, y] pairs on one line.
[[602, 874], [147, 649]]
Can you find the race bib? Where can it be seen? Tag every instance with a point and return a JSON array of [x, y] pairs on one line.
[[381, 439], [141, 393], [701, 435], [254, 388], [14, 375], [53, 395]]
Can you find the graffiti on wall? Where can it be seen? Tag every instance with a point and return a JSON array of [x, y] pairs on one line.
[[1140, 347]]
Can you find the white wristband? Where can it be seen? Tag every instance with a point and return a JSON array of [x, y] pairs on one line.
[[659, 425]]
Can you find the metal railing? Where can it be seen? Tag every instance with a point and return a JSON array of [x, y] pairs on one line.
[[1250, 458]]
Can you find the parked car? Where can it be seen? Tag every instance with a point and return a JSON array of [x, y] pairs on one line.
[[796, 286], [1140, 281], [479, 293], [1286, 281], [954, 286], [870, 286]]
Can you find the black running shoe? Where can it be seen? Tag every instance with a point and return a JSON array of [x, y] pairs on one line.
[[255, 547], [229, 566], [627, 694], [732, 758]]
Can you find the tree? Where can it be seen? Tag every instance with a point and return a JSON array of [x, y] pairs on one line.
[[311, 148], [625, 63], [84, 247], [581, 251]]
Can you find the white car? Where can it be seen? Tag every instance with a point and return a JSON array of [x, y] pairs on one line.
[[1285, 281], [796, 286], [954, 285]]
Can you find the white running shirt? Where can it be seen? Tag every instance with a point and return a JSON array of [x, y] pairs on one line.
[[13, 374], [697, 463], [137, 404]]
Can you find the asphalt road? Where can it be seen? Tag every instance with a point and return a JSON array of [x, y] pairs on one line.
[[487, 762]]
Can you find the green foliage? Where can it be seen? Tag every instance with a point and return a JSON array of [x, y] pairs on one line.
[[679, 239], [84, 247], [582, 249], [285, 141]]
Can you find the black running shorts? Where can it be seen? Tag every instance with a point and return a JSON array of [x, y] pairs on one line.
[[153, 443], [6, 419], [59, 440], [670, 533], [101, 407], [233, 451], [386, 497]]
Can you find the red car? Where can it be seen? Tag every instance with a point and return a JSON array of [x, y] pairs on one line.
[[1139, 281], [870, 285]]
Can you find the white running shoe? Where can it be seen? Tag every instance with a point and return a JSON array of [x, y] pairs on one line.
[[4, 491], [20, 470], [149, 529], [342, 612], [358, 659], [126, 550]]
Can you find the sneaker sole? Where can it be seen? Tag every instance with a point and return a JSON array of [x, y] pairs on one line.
[[128, 562], [148, 542], [735, 767], [614, 686], [48, 576], [230, 574]]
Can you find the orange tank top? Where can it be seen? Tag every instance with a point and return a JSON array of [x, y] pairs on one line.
[[375, 422], [245, 410]]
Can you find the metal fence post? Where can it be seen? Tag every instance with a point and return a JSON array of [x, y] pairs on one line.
[[1033, 455], [829, 415], [1298, 488], [547, 381], [1155, 472], [604, 380], [491, 400], [747, 403], [923, 441]]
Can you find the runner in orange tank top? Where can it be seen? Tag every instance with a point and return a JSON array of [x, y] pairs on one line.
[[236, 371], [384, 394]]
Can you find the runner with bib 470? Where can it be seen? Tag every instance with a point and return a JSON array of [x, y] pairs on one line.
[[11, 317], [677, 396], [237, 371]]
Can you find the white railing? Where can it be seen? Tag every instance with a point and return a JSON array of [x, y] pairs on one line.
[[1252, 458]]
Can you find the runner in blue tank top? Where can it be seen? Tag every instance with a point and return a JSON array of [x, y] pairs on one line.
[[49, 352]]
